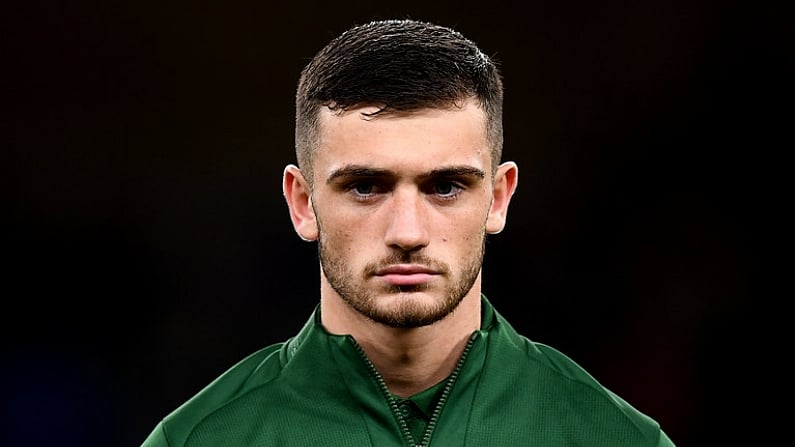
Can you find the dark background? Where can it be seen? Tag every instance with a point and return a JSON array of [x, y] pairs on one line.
[[147, 246]]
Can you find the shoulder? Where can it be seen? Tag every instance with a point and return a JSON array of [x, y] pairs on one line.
[[563, 386], [254, 371]]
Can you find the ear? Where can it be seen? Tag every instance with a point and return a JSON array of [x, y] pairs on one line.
[[505, 181], [298, 195]]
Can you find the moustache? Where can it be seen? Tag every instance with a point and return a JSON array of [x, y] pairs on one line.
[[406, 258]]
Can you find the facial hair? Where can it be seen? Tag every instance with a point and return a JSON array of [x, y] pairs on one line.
[[352, 286]]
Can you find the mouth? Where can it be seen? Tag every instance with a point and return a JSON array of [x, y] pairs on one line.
[[406, 274]]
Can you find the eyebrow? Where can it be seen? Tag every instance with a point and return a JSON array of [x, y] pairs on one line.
[[357, 171], [366, 171]]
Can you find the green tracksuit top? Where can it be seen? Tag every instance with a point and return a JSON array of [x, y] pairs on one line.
[[320, 390]]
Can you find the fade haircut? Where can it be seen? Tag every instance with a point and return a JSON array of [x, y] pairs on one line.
[[399, 66]]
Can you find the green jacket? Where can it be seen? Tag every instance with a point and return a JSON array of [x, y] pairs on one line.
[[320, 390]]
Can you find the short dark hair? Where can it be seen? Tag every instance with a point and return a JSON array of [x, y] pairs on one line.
[[400, 66]]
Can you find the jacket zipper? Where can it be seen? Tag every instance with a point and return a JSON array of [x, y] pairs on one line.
[[448, 387]]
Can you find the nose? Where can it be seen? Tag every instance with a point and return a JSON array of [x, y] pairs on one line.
[[407, 226]]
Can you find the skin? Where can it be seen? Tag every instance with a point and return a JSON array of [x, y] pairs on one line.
[[400, 209]]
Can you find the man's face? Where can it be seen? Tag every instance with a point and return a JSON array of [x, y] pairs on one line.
[[401, 203]]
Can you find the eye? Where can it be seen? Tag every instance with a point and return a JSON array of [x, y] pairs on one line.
[[363, 190], [446, 189]]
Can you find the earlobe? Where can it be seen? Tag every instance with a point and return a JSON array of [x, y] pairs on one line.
[[298, 195], [505, 181]]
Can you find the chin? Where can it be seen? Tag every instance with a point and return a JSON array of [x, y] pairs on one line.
[[410, 310]]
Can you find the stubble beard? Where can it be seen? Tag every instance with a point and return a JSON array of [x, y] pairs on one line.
[[408, 313]]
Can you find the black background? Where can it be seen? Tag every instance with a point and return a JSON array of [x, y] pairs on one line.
[[147, 246]]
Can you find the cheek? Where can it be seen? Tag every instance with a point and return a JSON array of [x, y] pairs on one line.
[[349, 227], [465, 224], [462, 236], [340, 237]]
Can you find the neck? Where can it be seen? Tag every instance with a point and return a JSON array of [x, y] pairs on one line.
[[409, 360]]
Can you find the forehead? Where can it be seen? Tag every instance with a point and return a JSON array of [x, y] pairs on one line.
[[420, 140]]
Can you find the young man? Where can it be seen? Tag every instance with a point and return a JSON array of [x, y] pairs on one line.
[[398, 143]]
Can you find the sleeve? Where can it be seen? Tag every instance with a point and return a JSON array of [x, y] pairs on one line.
[[665, 441], [158, 437]]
